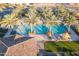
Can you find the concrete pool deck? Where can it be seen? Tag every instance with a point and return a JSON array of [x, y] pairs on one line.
[[74, 36]]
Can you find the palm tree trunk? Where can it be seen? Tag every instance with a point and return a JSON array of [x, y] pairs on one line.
[[31, 28]]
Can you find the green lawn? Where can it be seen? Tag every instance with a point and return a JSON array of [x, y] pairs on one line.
[[66, 47]]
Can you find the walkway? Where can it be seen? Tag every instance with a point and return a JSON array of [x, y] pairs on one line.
[[7, 34], [74, 36], [42, 52]]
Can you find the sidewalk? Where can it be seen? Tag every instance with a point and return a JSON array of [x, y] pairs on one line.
[[74, 36]]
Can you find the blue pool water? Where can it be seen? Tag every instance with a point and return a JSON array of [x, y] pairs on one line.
[[42, 29], [59, 29]]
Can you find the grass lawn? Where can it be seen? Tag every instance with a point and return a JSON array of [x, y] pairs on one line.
[[62, 46]]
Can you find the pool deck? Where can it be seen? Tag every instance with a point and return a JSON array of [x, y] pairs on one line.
[[74, 36]]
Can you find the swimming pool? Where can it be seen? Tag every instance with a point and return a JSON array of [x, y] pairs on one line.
[[23, 29], [59, 29], [42, 29]]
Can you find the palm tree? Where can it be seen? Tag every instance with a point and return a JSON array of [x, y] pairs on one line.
[[71, 20], [31, 17], [2, 6], [10, 21]]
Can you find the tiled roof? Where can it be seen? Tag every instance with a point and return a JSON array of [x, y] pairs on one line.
[[21, 46]]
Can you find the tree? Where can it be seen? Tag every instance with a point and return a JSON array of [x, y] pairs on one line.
[[71, 20], [12, 20], [31, 16]]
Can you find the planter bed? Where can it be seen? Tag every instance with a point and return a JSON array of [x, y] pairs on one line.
[[65, 47]]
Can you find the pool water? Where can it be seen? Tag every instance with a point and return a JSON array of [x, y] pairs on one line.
[[59, 29], [42, 29]]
